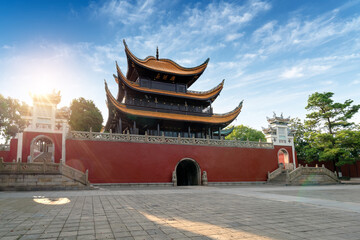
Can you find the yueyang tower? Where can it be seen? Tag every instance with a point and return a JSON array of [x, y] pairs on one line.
[[153, 98]]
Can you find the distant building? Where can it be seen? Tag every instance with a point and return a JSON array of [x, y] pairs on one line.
[[44, 115], [42, 139], [279, 133]]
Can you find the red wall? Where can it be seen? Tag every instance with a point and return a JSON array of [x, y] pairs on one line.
[[351, 170], [4, 155], [9, 156], [346, 170], [29, 136], [123, 162]]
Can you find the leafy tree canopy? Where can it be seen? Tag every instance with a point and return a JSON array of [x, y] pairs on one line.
[[327, 133], [327, 115], [244, 133], [10, 117], [85, 115]]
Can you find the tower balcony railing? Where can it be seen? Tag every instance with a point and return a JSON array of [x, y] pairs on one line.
[[96, 136], [169, 108]]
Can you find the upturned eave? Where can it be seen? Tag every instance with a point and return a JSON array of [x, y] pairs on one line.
[[198, 95], [215, 119]]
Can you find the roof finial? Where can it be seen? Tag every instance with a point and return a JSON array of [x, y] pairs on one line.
[[157, 53]]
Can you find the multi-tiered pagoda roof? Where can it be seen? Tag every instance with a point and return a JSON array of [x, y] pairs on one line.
[[153, 98]]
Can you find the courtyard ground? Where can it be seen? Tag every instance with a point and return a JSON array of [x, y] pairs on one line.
[[242, 212]]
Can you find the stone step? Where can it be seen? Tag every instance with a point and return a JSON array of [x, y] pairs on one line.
[[279, 179], [38, 181]]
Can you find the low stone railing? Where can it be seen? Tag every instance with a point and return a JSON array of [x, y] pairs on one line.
[[275, 173], [96, 136], [4, 147], [75, 174], [43, 168], [305, 170], [289, 166]]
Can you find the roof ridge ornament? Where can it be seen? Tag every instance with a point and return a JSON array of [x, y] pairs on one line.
[[157, 53]]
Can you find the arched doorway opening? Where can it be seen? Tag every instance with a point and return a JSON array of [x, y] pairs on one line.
[[283, 158], [42, 149], [188, 173]]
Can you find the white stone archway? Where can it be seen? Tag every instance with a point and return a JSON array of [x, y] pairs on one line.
[[42, 149]]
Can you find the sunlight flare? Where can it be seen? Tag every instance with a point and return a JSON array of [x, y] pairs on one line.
[[203, 228], [51, 201]]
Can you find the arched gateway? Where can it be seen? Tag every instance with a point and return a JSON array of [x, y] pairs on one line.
[[283, 157], [188, 172], [42, 149]]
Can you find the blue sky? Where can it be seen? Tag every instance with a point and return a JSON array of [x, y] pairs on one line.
[[272, 54]]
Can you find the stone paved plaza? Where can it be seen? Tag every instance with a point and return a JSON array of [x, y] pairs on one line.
[[244, 212]]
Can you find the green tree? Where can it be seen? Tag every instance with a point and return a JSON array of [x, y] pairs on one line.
[[301, 143], [10, 117], [244, 133], [329, 132], [85, 115]]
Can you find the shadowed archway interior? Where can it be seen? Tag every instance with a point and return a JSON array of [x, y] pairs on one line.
[[187, 173]]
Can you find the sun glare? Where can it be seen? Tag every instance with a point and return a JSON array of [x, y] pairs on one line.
[[42, 88], [51, 201], [203, 228], [44, 74]]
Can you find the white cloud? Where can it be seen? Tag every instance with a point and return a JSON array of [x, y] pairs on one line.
[[246, 17], [7, 47], [355, 82], [265, 31], [126, 12], [294, 72], [190, 34], [327, 83], [304, 34], [234, 36], [319, 68]]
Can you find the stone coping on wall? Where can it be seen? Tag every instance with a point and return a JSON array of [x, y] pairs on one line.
[[120, 185], [96, 136], [170, 184]]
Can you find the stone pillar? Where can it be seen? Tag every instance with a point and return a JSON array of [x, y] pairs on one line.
[[63, 145], [204, 179], [293, 152], [120, 125], [19, 147], [174, 179]]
